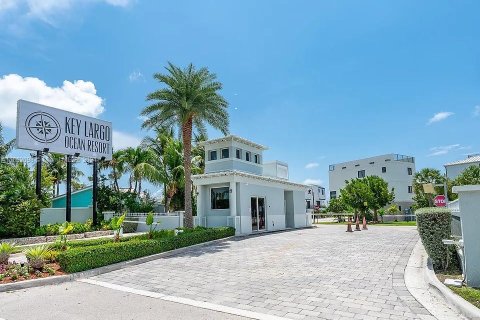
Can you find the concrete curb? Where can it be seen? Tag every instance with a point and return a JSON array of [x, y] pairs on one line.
[[465, 307], [94, 272]]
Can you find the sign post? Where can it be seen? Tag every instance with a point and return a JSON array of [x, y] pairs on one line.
[[41, 128], [440, 201]]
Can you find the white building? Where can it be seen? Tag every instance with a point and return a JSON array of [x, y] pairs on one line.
[[397, 170], [315, 196], [453, 169], [238, 190]]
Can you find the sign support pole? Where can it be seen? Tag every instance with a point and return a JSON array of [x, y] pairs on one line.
[[38, 180], [94, 191], [69, 190]]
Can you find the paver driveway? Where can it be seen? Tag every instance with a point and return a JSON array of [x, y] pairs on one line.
[[316, 273]]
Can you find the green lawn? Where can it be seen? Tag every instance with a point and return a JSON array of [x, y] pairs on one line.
[[384, 224], [470, 294]]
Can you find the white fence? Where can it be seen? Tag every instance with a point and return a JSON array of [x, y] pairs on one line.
[[161, 221]]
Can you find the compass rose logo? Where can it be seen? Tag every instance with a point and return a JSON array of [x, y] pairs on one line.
[[42, 127]]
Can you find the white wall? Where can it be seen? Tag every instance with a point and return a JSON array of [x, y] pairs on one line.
[[455, 170], [396, 175], [232, 163], [58, 215]]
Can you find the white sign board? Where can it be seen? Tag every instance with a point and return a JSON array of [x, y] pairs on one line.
[[40, 127]]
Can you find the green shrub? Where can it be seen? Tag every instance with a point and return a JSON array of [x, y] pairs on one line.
[[21, 220], [78, 259], [434, 226]]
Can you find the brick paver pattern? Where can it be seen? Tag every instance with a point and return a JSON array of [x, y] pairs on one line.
[[318, 273]]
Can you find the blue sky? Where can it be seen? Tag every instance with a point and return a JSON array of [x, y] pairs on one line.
[[318, 82]]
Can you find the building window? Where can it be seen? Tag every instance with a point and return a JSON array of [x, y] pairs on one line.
[[400, 208], [331, 167], [318, 204], [308, 204], [410, 189], [384, 169], [323, 191], [225, 153], [361, 173], [256, 158], [410, 171], [212, 155], [333, 194], [220, 198], [238, 154], [357, 165], [373, 162], [344, 168], [248, 155]]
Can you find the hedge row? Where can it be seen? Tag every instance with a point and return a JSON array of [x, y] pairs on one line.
[[434, 225], [83, 258]]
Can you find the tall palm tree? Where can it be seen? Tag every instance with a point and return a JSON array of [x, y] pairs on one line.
[[139, 162], [189, 100]]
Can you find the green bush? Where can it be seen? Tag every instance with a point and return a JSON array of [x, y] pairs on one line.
[[82, 258], [21, 220], [434, 225]]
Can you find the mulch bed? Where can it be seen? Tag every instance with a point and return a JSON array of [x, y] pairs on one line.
[[36, 275]]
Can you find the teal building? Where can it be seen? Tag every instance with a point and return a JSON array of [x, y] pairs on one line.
[[81, 198]]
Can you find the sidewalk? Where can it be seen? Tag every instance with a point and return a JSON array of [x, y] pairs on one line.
[[430, 298]]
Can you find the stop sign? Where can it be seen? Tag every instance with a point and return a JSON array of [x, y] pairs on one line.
[[440, 201]]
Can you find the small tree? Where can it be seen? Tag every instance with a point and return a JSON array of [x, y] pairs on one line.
[[117, 225], [381, 195], [425, 176], [471, 175], [149, 221], [337, 205], [358, 195]]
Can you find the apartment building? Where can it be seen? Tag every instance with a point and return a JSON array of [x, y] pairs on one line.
[[397, 170]]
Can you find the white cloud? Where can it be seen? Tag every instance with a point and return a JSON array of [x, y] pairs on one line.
[[442, 150], [78, 96], [439, 117], [311, 165], [135, 76], [47, 11], [476, 111], [313, 181], [123, 140], [143, 118]]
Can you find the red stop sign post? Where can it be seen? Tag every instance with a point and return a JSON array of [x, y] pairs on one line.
[[440, 201]]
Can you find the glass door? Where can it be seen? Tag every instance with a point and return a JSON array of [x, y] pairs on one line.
[[257, 209], [254, 213]]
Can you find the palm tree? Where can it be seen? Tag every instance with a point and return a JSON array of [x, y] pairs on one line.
[[57, 167], [170, 168], [117, 166], [5, 147], [139, 162], [189, 100]]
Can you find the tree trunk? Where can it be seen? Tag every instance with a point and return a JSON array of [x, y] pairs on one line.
[[58, 189], [115, 180], [375, 215], [187, 164], [139, 186], [167, 203]]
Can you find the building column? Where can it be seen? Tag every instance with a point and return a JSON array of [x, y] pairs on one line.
[[200, 211], [233, 198]]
